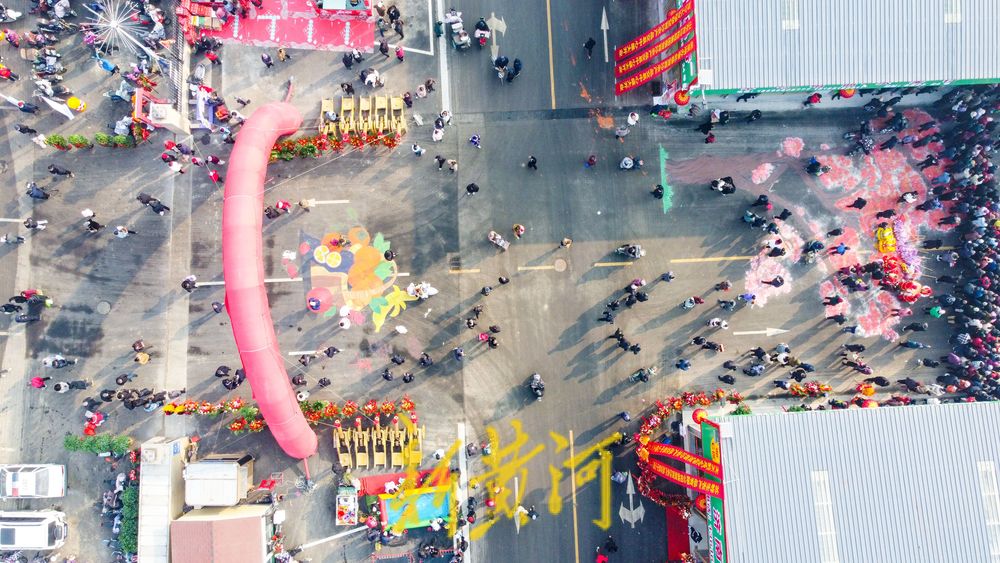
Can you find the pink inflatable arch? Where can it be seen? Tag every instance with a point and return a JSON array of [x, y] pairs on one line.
[[243, 269]]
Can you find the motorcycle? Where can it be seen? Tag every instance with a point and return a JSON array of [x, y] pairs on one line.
[[53, 78], [537, 386], [7, 15], [500, 66], [57, 26], [122, 94], [39, 40], [631, 251], [48, 70], [643, 374], [482, 33], [207, 44], [815, 168], [48, 89], [498, 240]]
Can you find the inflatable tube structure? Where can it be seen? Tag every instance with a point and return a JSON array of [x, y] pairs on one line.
[[243, 269]]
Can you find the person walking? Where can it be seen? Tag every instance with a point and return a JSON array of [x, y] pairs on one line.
[[400, 53], [39, 382], [588, 46], [24, 129], [532, 163], [590, 162], [266, 59], [383, 48], [476, 141], [812, 100], [472, 189], [398, 28], [60, 171], [441, 161], [283, 55], [566, 242], [418, 151]]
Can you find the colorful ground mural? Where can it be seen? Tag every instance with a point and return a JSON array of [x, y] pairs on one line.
[[349, 274], [879, 178]]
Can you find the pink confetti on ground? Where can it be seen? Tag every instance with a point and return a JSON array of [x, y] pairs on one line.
[[363, 364], [828, 289], [824, 146], [876, 320], [764, 268], [762, 173], [792, 146]]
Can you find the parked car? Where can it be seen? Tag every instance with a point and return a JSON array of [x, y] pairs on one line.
[[43, 480], [38, 530]]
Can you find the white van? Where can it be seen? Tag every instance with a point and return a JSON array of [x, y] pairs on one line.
[[38, 530]]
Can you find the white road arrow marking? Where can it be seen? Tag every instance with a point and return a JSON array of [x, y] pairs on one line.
[[765, 332], [497, 25], [633, 513], [604, 29]]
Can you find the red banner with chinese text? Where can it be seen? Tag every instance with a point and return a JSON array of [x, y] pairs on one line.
[[644, 57], [640, 78], [680, 454], [687, 481], [648, 37]]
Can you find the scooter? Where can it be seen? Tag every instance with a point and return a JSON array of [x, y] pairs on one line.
[[537, 386], [7, 15], [53, 78], [498, 240], [482, 33], [39, 40], [643, 374], [46, 88], [631, 251], [122, 94]]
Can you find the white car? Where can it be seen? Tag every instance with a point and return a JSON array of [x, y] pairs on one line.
[[37, 530], [32, 481]]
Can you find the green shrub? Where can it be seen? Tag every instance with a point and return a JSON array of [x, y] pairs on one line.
[[743, 408], [128, 538], [57, 141], [98, 444], [80, 142], [130, 503], [122, 141], [103, 139]]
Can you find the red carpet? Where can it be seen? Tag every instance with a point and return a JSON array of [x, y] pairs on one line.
[[677, 535], [295, 24]]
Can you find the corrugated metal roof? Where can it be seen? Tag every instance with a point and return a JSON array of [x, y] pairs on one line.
[[904, 484], [784, 43]]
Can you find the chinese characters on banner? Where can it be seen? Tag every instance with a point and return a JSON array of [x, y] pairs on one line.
[[640, 78], [699, 484], [661, 28], [680, 454], [641, 59], [711, 447]]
